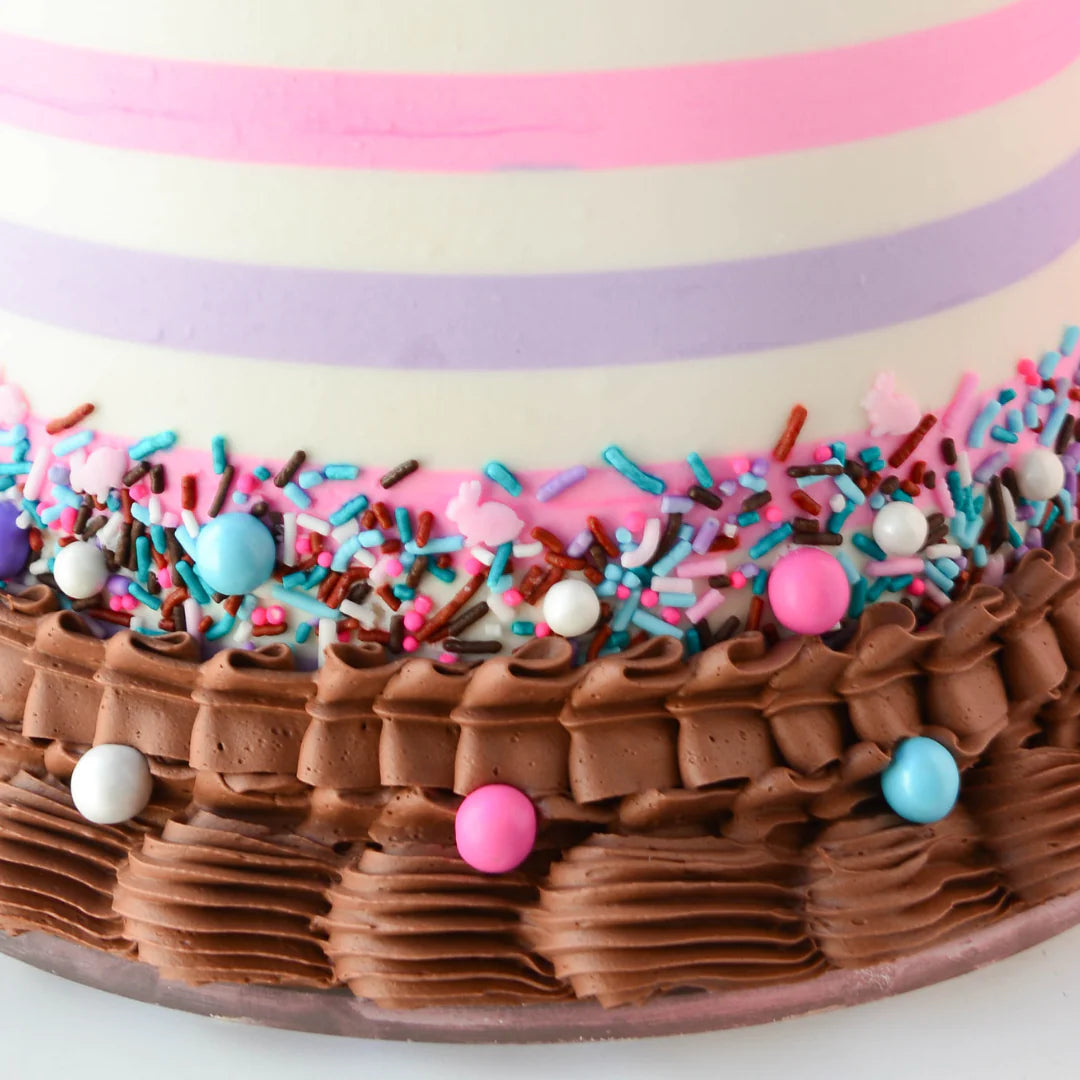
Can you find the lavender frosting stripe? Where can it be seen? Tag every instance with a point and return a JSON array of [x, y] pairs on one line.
[[542, 321]]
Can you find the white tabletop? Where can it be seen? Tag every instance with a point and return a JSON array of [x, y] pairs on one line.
[[1014, 1020]]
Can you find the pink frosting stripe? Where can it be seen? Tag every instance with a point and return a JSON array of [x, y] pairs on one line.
[[594, 120]]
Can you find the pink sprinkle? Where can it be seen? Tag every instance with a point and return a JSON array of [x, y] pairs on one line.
[[258, 617], [649, 598], [705, 566], [393, 567], [738, 579], [343, 637], [67, 518], [671, 615], [635, 521], [423, 603], [917, 587], [164, 577], [275, 615], [822, 453], [410, 644], [303, 545], [473, 566], [542, 629], [773, 514], [709, 602], [325, 559], [444, 658], [622, 591], [129, 602], [740, 465], [116, 603], [512, 597], [140, 492], [247, 483], [413, 621]]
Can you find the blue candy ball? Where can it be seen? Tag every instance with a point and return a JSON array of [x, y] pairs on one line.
[[14, 542], [922, 782], [235, 553]]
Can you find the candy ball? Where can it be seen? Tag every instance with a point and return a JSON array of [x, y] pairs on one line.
[[808, 591], [571, 607], [1040, 474], [80, 570], [111, 783], [14, 542], [235, 553], [900, 529], [922, 781], [495, 828]]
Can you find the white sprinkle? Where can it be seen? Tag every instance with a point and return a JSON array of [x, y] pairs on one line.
[[288, 538], [1010, 505], [327, 637], [109, 535], [671, 584], [39, 567], [192, 616], [837, 503], [731, 529], [353, 610], [23, 521], [35, 479], [313, 524], [191, 522], [137, 623], [963, 467], [154, 509], [527, 551], [943, 551], [344, 532], [482, 555], [242, 632]]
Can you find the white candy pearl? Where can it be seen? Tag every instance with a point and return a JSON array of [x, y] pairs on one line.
[[900, 529], [1040, 474], [111, 784], [571, 607], [80, 570]]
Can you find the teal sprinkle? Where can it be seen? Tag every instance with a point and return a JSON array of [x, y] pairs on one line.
[[771, 540], [638, 576], [899, 584], [619, 640], [140, 594], [310, 478], [1051, 518], [979, 555], [295, 579], [239, 498], [296, 495], [403, 592], [677, 599], [1006, 395], [302, 602], [498, 473], [445, 575], [499, 563], [142, 558], [1040, 397], [523, 628], [6, 482], [858, 598], [700, 470], [14, 468], [193, 582], [873, 593], [20, 450], [693, 642], [13, 435], [621, 619], [868, 546], [72, 443], [303, 632], [51, 514], [217, 453], [163, 440], [437, 545], [751, 517], [500, 586], [113, 501], [1069, 340], [356, 505], [761, 581], [637, 476], [1048, 364], [222, 627], [404, 524], [262, 473], [838, 518], [944, 583], [1000, 434], [140, 513], [753, 483], [839, 451], [1015, 538], [844, 559], [316, 576], [653, 624], [341, 471], [678, 552], [66, 496], [901, 496], [870, 454], [1014, 421], [30, 508]]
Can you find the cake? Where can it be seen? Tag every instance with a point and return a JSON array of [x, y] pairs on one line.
[[506, 503]]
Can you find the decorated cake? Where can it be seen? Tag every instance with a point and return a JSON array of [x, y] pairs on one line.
[[506, 503]]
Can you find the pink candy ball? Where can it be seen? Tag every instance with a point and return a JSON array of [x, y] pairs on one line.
[[495, 828], [808, 591]]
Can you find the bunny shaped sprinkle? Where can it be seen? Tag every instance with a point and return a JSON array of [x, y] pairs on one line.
[[492, 523]]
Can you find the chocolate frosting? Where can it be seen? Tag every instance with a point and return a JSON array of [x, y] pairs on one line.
[[625, 917], [19, 618], [220, 901], [412, 930]]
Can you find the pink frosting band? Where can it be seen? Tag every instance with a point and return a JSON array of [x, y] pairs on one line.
[[592, 120]]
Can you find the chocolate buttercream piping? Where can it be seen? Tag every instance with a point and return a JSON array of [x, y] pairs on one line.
[[19, 619]]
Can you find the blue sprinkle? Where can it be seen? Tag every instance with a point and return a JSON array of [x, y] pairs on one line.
[[51, 514], [499, 474], [1048, 364], [771, 540], [844, 559], [1050, 430], [370, 538], [858, 598], [653, 624], [623, 535], [163, 440], [1031, 415], [303, 632], [437, 545], [752, 483], [877, 501], [1068, 510], [30, 508], [943, 582], [979, 555], [14, 468], [140, 513], [302, 602], [310, 478], [295, 579], [13, 435], [296, 495], [217, 453], [263, 474], [677, 599], [1069, 340], [700, 470], [140, 594], [949, 567], [404, 524], [606, 588], [21, 450], [341, 471], [1000, 434], [66, 496], [678, 552], [356, 505], [849, 489], [622, 618], [498, 564], [186, 540], [637, 476], [315, 576], [1042, 396], [613, 572], [1006, 395], [1014, 420], [803, 482], [981, 423], [73, 442], [239, 498]]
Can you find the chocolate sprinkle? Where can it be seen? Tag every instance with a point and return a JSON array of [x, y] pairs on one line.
[[398, 473], [290, 468], [704, 496]]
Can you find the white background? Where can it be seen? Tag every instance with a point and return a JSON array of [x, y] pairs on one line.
[[1014, 1020]]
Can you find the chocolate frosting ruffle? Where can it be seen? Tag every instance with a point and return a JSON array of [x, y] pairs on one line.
[[881, 888], [413, 930], [19, 619], [626, 917], [212, 900], [57, 870]]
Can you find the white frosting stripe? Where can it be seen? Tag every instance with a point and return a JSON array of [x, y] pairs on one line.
[[473, 35], [533, 222]]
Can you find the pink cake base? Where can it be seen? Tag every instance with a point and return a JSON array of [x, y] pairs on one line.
[[339, 1013]]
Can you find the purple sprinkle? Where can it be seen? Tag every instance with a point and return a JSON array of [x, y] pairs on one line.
[[1025, 512], [1023, 549], [676, 504], [59, 474], [760, 467], [560, 482], [117, 585], [706, 535], [991, 465], [960, 561], [1034, 538], [748, 570], [728, 487], [1070, 483], [580, 544]]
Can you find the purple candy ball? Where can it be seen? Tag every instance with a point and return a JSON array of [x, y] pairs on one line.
[[14, 542]]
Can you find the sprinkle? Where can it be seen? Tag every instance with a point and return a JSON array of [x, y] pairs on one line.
[[309, 478], [704, 567], [676, 504], [672, 559], [73, 442], [991, 464], [892, 567], [1048, 364], [398, 473], [790, 434], [194, 583], [437, 545], [76, 416], [677, 600], [868, 547], [560, 482], [313, 524], [499, 474], [303, 602], [355, 506], [290, 468], [700, 470], [222, 491], [614, 457], [140, 594], [710, 527], [654, 625], [296, 495], [708, 603], [770, 540], [217, 454], [912, 441], [643, 554], [163, 440], [498, 564], [1050, 430]]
